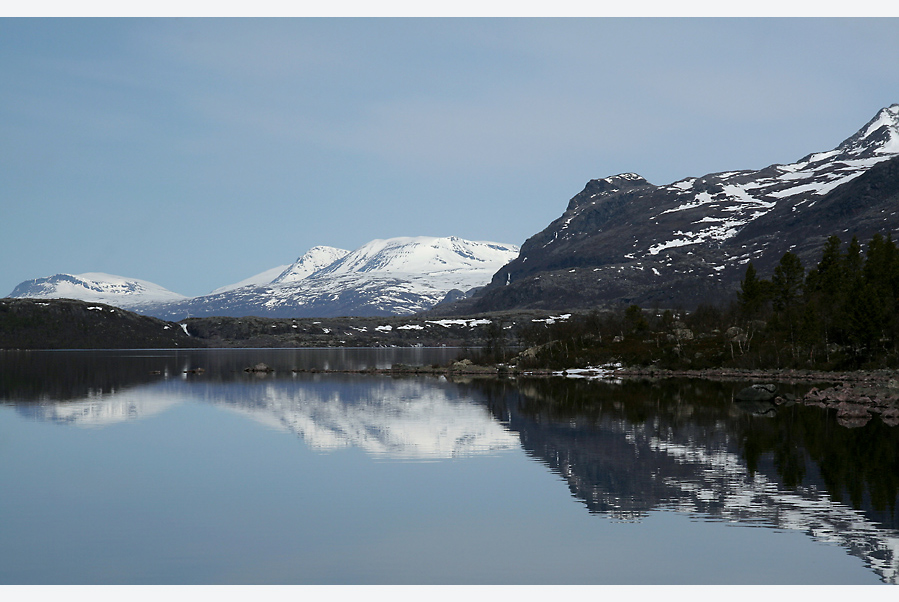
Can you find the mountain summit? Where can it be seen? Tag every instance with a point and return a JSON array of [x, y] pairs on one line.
[[96, 287], [625, 240], [879, 137]]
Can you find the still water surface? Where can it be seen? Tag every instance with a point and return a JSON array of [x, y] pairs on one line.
[[112, 473]]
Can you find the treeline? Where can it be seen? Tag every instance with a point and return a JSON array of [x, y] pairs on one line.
[[839, 315]]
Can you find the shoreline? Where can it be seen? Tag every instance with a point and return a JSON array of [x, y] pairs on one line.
[[888, 377], [856, 396], [774, 374]]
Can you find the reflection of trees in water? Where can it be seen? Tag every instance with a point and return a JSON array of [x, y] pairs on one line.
[[801, 445], [59, 376], [858, 466], [626, 449], [587, 431], [67, 375]]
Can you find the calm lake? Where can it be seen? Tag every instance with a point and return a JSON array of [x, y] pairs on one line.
[[120, 467]]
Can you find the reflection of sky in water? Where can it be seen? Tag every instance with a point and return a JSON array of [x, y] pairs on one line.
[[175, 490]]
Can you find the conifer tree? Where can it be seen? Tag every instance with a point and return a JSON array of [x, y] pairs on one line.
[[786, 287], [827, 277], [824, 293], [863, 313], [787, 282], [753, 294], [852, 261]]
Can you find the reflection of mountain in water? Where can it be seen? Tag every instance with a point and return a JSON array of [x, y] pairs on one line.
[[401, 419], [625, 451], [98, 409], [387, 418]]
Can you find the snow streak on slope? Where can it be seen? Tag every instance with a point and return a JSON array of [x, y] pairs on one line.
[[731, 200]]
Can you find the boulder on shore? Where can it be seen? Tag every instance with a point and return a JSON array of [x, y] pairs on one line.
[[260, 367], [757, 393]]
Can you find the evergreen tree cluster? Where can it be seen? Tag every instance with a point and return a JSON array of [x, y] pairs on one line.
[[842, 313], [839, 315]]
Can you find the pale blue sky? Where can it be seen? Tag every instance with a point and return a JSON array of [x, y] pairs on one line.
[[196, 153]]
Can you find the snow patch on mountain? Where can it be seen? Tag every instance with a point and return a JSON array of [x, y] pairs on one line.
[[395, 276], [731, 200]]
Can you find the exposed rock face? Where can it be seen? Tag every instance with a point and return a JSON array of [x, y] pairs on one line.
[[625, 240]]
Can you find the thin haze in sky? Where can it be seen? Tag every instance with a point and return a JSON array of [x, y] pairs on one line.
[[196, 153]]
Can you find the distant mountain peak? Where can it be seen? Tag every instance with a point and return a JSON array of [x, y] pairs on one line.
[[312, 261], [880, 136], [96, 287], [622, 180], [596, 190]]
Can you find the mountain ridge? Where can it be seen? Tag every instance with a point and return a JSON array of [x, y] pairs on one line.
[[624, 240], [393, 276]]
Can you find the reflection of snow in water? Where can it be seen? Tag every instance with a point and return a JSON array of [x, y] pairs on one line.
[[746, 498], [393, 419], [104, 409], [409, 419]]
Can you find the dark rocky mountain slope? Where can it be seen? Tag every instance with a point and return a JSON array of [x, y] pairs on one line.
[[625, 240]]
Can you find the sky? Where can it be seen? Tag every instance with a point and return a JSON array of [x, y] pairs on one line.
[[195, 153]]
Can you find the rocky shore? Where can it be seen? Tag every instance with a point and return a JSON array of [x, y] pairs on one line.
[[788, 376], [856, 396]]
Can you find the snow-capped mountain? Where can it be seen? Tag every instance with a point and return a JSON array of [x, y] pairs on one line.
[[96, 287], [396, 276], [624, 239], [383, 277], [312, 261]]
